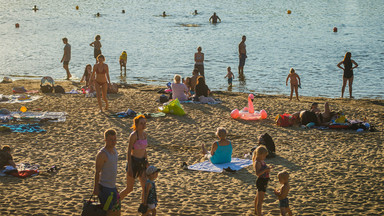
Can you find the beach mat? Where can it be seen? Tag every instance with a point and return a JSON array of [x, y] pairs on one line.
[[235, 164], [24, 128], [35, 116], [18, 99]]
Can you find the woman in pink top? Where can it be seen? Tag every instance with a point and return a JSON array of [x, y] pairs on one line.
[[137, 161], [179, 90]]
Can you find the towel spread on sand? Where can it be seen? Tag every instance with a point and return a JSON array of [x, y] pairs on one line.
[[197, 102], [235, 164], [17, 98], [24, 128], [23, 170], [35, 116]]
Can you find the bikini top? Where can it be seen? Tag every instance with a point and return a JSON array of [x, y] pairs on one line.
[[263, 167], [100, 72], [140, 144]]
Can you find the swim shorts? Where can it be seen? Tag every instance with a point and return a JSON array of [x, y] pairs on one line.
[[96, 52], [104, 193], [242, 60], [230, 81], [261, 184], [284, 203]]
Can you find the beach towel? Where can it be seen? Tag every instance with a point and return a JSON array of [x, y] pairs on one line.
[[24, 128], [217, 101], [235, 164], [34, 116], [23, 170], [18, 98]]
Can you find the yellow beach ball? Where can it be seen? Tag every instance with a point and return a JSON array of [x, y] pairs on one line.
[[23, 109], [289, 11], [77, 7]]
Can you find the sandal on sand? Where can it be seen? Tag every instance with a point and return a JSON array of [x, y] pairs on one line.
[[228, 169]]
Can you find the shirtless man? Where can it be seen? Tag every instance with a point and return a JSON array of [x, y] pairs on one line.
[[242, 55], [66, 57], [214, 18]]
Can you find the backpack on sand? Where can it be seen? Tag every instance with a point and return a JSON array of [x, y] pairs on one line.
[[59, 89], [266, 140]]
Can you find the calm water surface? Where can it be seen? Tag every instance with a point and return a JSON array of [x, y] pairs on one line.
[[160, 47]]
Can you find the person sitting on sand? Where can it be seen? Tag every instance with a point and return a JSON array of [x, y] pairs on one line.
[[87, 75], [179, 90], [102, 80], [195, 75], [214, 18], [202, 91], [323, 118], [221, 151], [6, 158], [137, 161], [187, 82]]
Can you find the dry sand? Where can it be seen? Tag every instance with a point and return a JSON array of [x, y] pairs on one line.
[[332, 172]]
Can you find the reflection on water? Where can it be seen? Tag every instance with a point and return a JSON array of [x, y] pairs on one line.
[[242, 83]]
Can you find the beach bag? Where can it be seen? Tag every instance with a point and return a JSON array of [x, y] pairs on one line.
[[163, 99], [113, 88], [173, 107], [267, 141], [284, 120], [308, 117], [92, 208], [46, 88], [59, 89]]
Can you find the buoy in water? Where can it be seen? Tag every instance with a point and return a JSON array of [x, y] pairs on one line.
[[77, 7], [334, 29], [123, 11], [289, 11], [17, 25]]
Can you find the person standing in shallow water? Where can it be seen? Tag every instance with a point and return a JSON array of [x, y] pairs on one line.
[[199, 61], [348, 72], [242, 55], [97, 47], [66, 57], [213, 19]]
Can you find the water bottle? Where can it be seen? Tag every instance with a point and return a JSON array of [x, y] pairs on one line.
[[108, 202]]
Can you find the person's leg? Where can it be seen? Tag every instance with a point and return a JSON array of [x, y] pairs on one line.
[[154, 212], [257, 194], [205, 151], [350, 81], [125, 68], [143, 179], [296, 91], [327, 111], [65, 66], [290, 97], [105, 91], [98, 95], [121, 67], [260, 198], [201, 70], [129, 188], [343, 88], [282, 211], [289, 211]]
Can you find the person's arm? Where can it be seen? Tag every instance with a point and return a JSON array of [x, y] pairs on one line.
[[92, 44], [283, 193], [226, 76], [132, 140], [144, 199], [11, 162], [210, 18], [202, 58], [258, 167], [109, 80], [219, 18], [356, 65], [195, 57], [92, 78], [82, 78], [338, 65], [233, 75], [298, 77], [239, 49], [214, 148], [286, 81], [100, 160], [62, 59]]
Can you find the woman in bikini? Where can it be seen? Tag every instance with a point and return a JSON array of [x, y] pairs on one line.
[[137, 161], [101, 71]]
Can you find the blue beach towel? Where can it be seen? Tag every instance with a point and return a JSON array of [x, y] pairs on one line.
[[235, 164], [24, 128]]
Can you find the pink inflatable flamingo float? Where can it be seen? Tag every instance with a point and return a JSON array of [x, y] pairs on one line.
[[249, 113]]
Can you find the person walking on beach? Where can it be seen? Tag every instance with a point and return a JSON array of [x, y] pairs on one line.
[[348, 72], [105, 175], [213, 19], [242, 55], [66, 57], [295, 83], [230, 76], [137, 161], [199, 61], [149, 196], [102, 81], [97, 47], [262, 173], [282, 193]]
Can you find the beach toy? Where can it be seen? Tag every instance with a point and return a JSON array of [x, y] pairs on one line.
[[23, 109], [334, 29], [289, 11], [17, 25], [248, 113], [77, 7]]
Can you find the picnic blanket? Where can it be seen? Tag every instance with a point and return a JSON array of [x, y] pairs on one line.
[[235, 164], [24, 128], [34, 116], [17, 98]]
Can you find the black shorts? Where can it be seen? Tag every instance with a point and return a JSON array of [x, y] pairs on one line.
[[242, 60], [65, 62], [138, 165], [96, 52], [261, 184]]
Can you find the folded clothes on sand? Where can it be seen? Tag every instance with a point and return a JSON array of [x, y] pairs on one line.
[[24, 128], [235, 164]]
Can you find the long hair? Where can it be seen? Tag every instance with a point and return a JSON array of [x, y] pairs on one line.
[[136, 121], [347, 57], [85, 70], [200, 81]]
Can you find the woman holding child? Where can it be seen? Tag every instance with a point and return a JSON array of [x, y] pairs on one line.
[[137, 161], [100, 75]]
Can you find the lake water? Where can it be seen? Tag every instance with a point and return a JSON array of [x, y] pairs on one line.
[[159, 47]]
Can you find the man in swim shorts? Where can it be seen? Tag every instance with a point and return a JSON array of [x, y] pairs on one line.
[[214, 18], [242, 55], [66, 57], [106, 173]]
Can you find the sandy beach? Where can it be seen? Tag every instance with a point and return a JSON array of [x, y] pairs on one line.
[[332, 172]]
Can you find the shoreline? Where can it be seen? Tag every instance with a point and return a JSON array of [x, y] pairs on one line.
[[331, 171]]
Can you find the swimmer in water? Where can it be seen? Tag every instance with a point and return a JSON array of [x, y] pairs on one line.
[[35, 8], [164, 14], [98, 14], [195, 13], [214, 18]]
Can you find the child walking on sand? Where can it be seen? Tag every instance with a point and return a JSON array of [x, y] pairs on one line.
[[230, 76], [123, 63], [149, 196], [282, 193], [295, 83], [262, 173]]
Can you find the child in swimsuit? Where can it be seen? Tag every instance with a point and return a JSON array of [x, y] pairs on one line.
[[262, 173], [150, 196], [295, 83], [230, 76], [282, 193]]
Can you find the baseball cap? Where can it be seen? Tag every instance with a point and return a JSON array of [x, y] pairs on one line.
[[152, 169]]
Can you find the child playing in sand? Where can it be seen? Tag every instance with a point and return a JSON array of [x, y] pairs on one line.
[[123, 63], [295, 82], [149, 198], [283, 193], [262, 173], [230, 76]]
